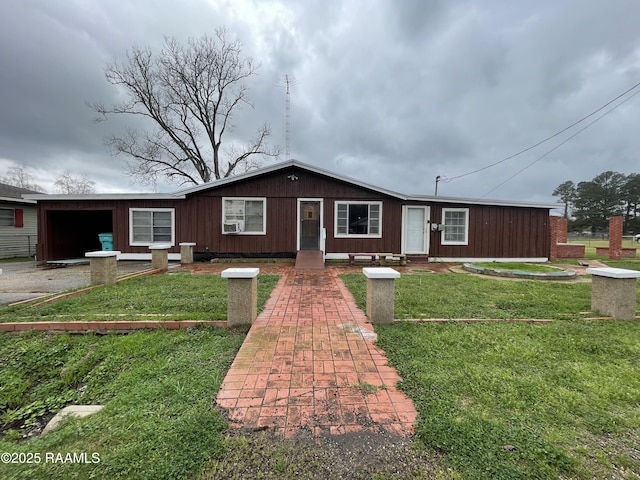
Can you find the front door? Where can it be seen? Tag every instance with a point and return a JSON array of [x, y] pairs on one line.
[[416, 230], [310, 224]]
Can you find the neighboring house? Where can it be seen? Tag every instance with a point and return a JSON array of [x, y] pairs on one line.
[[18, 227], [280, 209]]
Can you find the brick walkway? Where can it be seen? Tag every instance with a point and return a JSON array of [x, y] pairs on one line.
[[309, 362]]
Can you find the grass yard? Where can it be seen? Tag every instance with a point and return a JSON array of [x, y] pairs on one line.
[[524, 401], [172, 296], [158, 390], [469, 296]]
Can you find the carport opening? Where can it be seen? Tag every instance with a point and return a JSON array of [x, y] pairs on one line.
[[72, 233]]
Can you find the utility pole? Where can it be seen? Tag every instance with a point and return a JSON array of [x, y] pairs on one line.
[[437, 180]]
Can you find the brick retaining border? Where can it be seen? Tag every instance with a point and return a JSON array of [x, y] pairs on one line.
[[117, 326]]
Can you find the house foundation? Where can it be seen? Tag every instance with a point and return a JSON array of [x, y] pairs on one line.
[[380, 293], [242, 295]]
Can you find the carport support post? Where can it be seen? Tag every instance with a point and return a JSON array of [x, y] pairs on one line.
[[186, 252], [242, 296], [613, 292], [103, 267], [160, 257], [380, 293]]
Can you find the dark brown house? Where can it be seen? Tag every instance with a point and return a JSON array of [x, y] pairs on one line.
[[291, 206]]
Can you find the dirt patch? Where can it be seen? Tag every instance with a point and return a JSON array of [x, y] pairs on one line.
[[358, 455]]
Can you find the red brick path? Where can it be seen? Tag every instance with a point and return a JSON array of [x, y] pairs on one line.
[[309, 362]]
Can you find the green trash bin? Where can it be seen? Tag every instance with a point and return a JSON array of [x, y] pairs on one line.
[[106, 239]]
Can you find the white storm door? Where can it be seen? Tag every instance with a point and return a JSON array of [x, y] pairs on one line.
[[416, 230]]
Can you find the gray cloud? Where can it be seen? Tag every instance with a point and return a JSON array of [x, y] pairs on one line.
[[391, 92]]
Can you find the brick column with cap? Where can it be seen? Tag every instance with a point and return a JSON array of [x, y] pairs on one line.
[[615, 238], [563, 227], [553, 238]]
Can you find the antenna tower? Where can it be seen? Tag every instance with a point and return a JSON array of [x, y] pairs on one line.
[[287, 131]]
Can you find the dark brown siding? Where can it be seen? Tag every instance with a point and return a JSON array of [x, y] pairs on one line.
[[494, 231], [497, 232]]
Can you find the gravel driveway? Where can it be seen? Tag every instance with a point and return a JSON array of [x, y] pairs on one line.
[[25, 280]]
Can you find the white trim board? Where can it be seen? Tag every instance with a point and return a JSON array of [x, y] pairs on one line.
[[146, 256]]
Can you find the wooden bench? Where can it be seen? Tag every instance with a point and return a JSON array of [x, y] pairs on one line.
[[372, 256], [379, 258], [400, 257]]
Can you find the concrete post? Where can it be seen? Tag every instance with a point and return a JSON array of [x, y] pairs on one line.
[[380, 293], [242, 295], [613, 292], [103, 267], [186, 252], [160, 256]]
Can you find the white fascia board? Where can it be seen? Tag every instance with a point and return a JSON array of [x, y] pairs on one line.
[[103, 196], [17, 200], [476, 201]]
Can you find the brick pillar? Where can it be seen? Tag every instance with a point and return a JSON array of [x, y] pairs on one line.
[[615, 238], [553, 238], [563, 227]]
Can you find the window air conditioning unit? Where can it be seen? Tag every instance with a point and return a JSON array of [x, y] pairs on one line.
[[232, 227]]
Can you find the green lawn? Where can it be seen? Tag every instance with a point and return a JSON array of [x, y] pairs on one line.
[[158, 390], [516, 401], [172, 296], [496, 400], [524, 401], [469, 296]]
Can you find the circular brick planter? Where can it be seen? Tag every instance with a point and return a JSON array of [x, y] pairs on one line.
[[561, 274]]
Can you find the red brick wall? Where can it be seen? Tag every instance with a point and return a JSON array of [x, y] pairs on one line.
[[615, 238], [624, 252], [570, 250], [562, 230], [553, 238]]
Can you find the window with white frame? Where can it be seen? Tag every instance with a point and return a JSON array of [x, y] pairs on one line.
[[246, 215], [151, 225], [358, 219], [7, 217], [455, 223]]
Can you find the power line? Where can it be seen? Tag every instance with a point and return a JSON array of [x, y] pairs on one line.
[[564, 141], [550, 137]]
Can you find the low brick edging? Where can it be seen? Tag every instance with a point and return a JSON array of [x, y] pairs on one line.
[[117, 326], [626, 252]]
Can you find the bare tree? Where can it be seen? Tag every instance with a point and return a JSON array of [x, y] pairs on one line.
[[68, 183], [20, 176], [190, 94]]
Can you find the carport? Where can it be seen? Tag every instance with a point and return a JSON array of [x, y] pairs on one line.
[[72, 233]]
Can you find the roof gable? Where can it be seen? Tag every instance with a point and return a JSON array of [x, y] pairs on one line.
[[282, 166]]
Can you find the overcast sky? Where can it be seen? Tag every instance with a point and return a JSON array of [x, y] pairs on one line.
[[391, 92]]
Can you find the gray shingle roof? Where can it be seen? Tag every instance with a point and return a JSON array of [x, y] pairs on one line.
[[9, 191]]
